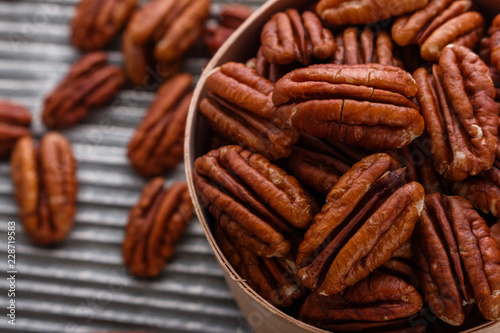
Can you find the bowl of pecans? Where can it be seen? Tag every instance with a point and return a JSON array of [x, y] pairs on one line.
[[343, 160]]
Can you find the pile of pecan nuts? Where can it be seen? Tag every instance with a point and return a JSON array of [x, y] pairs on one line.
[[354, 176]]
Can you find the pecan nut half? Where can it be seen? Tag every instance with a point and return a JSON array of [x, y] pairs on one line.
[[453, 243], [158, 143], [45, 187], [290, 37], [495, 43], [97, 22], [164, 30], [376, 298], [155, 225], [90, 82], [275, 279], [368, 215], [255, 201], [15, 121], [364, 105], [340, 12], [460, 113], [238, 109], [438, 24]]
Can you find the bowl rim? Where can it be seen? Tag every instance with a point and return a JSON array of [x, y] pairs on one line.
[[258, 18]]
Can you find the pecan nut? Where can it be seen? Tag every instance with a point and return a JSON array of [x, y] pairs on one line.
[[90, 82], [158, 143], [460, 113], [97, 22], [453, 243], [255, 201], [354, 47], [495, 43], [377, 298], [238, 109], [155, 225], [45, 187], [438, 24], [290, 37], [15, 121], [368, 215], [163, 30], [364, 105], [230, 18], [340, 12], [274, 279]]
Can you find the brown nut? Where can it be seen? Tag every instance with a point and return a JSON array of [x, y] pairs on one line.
[[15, 121], [290, 37], [368, 215], [355, 46], [275, 279], [495, 43], [255, 201], [90, 82], [45, 187], [376, 298], [230, 18], [97, 22], [163, 31], [155, 225], [453, 243], [364, 105], [158, 143], [340, 12], [238, 109], [438, 24], [460, 113]]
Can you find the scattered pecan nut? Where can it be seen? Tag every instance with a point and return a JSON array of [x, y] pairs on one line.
[[90, 82], [45, 187], [368, 215], [161, 32], [255, 201], [97, 22], [15, 121], [274, 279], [340, 12], [377, 298], [495, 43], [291, 37], [238, 109], [460, 113], [230, 18], [438, 24], [453, 243], [155, 225], [364, 105], [158, 143]]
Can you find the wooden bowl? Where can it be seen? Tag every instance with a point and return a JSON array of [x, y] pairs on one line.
[[242, 45]]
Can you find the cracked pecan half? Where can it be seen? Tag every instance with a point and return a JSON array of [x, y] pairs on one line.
[[255, 201], [355, 46], [238, 108], [97, 22], [365, 105], [340, 12], [438, 24], [453, 243], [15, 121], [378, 298], [45, 187], [369, 214], [275, 279], [457, 102], [162, 31], [155, 225], [158, 143], [291, 37], [90, 82]]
